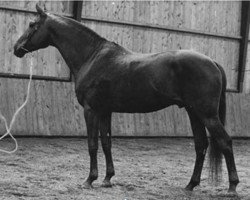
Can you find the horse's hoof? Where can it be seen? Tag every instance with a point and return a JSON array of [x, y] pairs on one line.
[[106, 183], [232, 193], [189, 188], [87, 185]]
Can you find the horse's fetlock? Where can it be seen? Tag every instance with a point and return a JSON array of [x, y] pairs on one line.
[[110, 172], [194, 182], [93, 175], [234, 182]]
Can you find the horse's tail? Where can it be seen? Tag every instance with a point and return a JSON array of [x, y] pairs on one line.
[[215, 154], [222, 106]]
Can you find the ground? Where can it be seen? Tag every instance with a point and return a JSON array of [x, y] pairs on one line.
[[46, 168]]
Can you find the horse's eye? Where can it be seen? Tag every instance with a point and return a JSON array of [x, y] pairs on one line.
[[31, 24]]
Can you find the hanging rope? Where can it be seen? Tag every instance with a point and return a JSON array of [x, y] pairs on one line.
[[9, 127]]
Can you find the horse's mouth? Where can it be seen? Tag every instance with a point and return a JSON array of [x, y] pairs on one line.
[[20, 52]]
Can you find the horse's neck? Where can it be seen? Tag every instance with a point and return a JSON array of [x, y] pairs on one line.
[[75, 42]]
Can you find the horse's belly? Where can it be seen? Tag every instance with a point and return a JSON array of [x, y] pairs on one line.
[[142, 104], [142, 97], [138, 109]]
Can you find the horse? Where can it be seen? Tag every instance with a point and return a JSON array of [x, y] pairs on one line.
[[110, 78]]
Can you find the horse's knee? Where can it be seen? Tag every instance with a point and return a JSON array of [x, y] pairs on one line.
[[93, 150]]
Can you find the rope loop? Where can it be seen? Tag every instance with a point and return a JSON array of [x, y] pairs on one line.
[[9, 127]]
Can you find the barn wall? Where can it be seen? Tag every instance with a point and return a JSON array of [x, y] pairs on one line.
[[53, 108]]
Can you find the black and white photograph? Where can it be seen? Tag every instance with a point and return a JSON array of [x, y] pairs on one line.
[[124, 100]]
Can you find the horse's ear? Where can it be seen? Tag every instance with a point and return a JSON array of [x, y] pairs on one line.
[[44, 8], [40, 10]]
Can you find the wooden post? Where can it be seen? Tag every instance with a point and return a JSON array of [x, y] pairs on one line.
[[245, 20], [77, 10]]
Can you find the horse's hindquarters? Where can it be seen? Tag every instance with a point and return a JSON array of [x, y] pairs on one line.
[[200, 82]]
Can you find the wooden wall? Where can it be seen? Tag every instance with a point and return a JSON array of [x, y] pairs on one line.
[[53, 108]]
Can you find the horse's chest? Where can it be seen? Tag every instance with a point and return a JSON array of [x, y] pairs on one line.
[[94, 92]]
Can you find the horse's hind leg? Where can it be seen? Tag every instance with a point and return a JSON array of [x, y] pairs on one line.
[[224, 141], [105, 131], [201, 144]]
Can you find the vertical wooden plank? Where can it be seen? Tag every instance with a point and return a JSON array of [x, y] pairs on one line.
[[77, 10], [245, 21], [2, 104], [2, 39]]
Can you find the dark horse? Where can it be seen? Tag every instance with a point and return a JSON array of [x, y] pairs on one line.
[[109, 78]]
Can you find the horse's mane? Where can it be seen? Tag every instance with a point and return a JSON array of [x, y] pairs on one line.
[[76, 25]]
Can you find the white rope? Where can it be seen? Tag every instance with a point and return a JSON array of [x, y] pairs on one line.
[[8, 128]]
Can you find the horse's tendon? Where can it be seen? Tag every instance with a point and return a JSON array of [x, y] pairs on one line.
[[9, 127]]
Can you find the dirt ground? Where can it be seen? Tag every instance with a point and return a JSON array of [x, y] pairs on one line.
[[153, 169]]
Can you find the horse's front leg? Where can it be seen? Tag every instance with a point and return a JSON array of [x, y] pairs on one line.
[[92, 124], [105, 131]]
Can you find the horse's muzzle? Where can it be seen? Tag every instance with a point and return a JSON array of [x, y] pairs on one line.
[[19, 54], [20, 51]]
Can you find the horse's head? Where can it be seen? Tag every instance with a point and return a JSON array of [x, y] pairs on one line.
[[35, 37]]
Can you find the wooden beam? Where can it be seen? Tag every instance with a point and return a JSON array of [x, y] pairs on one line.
[[161, 27], [35, 77], [245, 20], [77, 10]]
